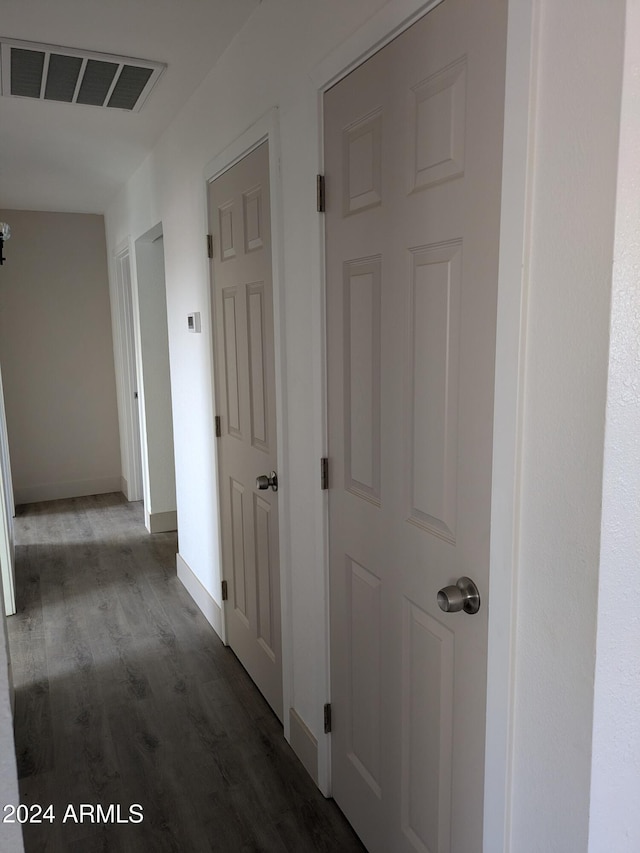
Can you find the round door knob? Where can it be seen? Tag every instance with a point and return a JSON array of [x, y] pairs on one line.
[[265, 481], [463, 596]]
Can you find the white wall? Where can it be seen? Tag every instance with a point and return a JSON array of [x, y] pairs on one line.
[[615, 791], [572, 198], [57, 356]]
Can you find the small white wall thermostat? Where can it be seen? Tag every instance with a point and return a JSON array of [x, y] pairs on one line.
[[193, 322]]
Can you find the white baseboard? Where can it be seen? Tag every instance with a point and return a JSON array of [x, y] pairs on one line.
[[74, 489], [161, 522], [205, 601], [304, 744]]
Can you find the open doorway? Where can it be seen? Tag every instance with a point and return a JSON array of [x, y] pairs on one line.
[[149, 303], [129, 397]]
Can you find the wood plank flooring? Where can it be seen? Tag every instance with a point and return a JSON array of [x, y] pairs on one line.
[[125, 695]]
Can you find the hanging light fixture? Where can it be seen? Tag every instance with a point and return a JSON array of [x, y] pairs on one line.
[[5, 233]]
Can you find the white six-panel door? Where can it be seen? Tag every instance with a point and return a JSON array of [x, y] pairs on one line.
[[239, 216], [413, 171]]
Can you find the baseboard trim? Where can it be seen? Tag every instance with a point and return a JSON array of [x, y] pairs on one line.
[[304, 744], [206, 603], [73, 489], [162, 522]]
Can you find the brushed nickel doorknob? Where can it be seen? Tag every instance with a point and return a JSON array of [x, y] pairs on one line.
[[265, 481], [463, 596]]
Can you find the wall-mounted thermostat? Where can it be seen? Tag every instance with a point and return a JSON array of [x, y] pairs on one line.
[[193, 322]]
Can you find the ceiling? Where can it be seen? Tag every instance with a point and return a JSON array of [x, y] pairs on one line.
[[68, 157]]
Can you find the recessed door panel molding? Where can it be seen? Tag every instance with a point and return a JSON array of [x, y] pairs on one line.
[[264, 572], [434, 333], [232, 377], [252, 213], [427, 734], [244, 361], [362, 159], [257, 377], [363, 595], [362, 290], [437, 126], [226, 217], [238, 544]]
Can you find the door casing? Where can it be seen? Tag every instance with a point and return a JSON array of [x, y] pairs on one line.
[[156, 413]]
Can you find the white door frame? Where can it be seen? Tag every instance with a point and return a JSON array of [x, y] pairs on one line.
[[158, 470], [266, 129], [392, 19], [128, 367]]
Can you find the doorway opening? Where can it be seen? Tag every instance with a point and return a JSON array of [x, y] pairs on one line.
[[149, 299], [129, 401]]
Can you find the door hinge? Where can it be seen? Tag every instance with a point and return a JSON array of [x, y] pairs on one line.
[[320, 194], [225, 591], [218, 426], [327, 718], [209, 245], [324, 473]]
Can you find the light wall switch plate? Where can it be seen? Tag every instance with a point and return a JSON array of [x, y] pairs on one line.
[[193, 322]]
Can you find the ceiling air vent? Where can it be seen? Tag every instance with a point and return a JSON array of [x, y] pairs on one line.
[[50, 73]]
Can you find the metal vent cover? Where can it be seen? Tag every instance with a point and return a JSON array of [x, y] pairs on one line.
[[50, 73]]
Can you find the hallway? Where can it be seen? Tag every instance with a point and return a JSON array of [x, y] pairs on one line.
[[125, 695]]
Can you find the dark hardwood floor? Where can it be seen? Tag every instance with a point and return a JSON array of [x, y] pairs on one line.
[[125, 695]]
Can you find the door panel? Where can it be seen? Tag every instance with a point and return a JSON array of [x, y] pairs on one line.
[[362, 376], [434, 347], [413, 167], [245, 378]]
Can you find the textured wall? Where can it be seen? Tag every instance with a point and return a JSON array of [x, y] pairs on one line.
[[615, 791], [572, 197]]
